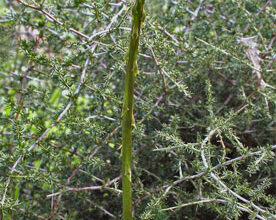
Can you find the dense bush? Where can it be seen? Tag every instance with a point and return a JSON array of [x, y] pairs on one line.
[[205, 107]]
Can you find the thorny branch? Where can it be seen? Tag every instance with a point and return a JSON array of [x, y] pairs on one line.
[[258, 13], [217, 179], [52, 18], [201, 174], [72, 189], [41, 137], [75, 171]]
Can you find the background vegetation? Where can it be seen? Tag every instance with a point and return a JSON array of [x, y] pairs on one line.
[[205, 107]]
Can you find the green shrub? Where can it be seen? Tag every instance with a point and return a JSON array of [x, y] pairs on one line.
[[204, 107]]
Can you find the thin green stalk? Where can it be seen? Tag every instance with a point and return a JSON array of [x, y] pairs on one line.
[[138, 17]]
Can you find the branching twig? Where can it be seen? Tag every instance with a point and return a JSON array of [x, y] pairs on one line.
[[101, 208], [258, 13], [41, 137], [150, 111], [205, 163], [88, 188], [75, 171], [196, 176], [161, 73], [52, 18], [211, 200], [109, 26]]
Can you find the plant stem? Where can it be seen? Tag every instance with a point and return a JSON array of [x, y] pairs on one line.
[[127, 115]]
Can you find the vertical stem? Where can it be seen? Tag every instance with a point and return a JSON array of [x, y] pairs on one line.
[[127, 115]]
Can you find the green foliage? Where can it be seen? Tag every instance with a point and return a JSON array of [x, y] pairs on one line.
[[204, 143]]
